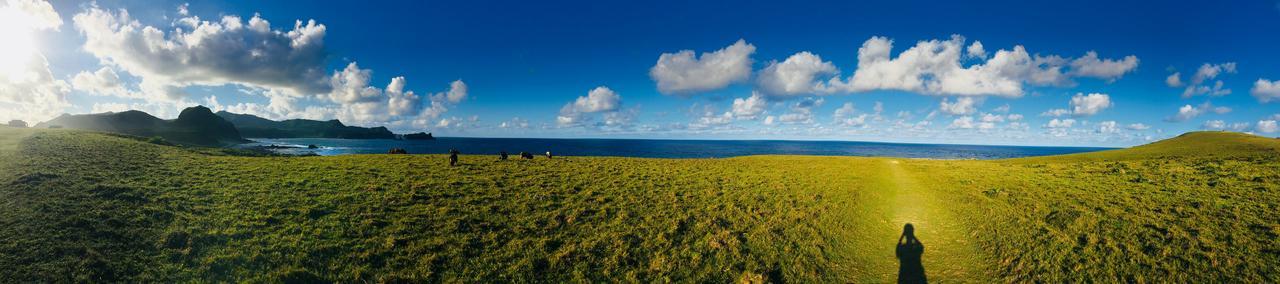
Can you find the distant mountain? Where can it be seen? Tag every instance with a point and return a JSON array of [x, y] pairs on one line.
[[195, 126], [258, 127]]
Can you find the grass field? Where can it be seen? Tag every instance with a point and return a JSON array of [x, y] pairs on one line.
[[81, 206]]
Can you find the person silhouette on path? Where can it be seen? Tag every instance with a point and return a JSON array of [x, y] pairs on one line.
[[909, 251]]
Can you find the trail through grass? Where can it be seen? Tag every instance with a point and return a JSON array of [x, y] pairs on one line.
[[948, 252]]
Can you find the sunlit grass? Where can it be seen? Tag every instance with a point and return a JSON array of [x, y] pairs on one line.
[[92, 207]]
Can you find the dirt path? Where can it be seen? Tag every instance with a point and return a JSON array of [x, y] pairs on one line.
[[948, 253]]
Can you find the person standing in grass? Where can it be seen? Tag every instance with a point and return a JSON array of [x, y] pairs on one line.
[[453, 157], [909, 251]]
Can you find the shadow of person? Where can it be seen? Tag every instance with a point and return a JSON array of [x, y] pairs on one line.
[[910, 270]]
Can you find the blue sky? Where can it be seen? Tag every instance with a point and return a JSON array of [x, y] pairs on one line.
[[587, 69]]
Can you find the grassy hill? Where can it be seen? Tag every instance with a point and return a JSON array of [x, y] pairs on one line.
[[194, 126], [257, 127], [81, 206]]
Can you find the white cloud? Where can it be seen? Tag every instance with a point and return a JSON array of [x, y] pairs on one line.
[[1185, 113], [1208, 72], [1108, 127], [847, 116], [600, 99], [1057, 112], [963, 122], [361, 104], [682, 73], [1265, 90], [994, 118], [208, 53], [975, 50], [1214, 124], [1174, 80], [1266, 126], [1061, 123], [1001, 109], [961, 106], [1107, 69], [1239, 126], [32, 15], [515, 122], [1082, 105], [934, 67], [286, 67], [710, 118], [1087, 105], [1137, 126], [1188, 112], [794, 76], [801, 112], [104, 82], [750, 107]]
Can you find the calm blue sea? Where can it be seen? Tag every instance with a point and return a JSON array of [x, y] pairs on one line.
[[663, 148]]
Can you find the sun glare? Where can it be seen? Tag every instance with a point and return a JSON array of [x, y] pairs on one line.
[[19, 48]]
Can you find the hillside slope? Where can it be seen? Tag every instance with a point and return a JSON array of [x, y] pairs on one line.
[[88, 207], [195, 126], [257, 127]]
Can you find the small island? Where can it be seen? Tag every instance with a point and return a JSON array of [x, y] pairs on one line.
[[417, 136]]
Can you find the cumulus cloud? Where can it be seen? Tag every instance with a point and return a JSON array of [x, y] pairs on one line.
[[963, 122], [975, 50], [801, 112], [28, 89], [285, 66], [1266, 90], [1199, 83], [515, 122], [683, 73], [934, 67], [1090, 65], [1137, 126], [104, 82], [359, 102], [1108, 127], [32, 15], [208, 53], [1214, 124], [750, 107], [1266, 126], [1174, 80], [1188, 112], [961, 106], [1061, 123], [598, 100], [1087, 105], [847, 116], [1082, 105], [795, 76]]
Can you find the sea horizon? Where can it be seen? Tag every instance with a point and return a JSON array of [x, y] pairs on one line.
[[659, 148]]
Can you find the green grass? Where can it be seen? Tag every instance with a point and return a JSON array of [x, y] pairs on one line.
[[82, 206]]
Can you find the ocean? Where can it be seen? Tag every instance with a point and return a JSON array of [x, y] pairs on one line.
[[651, 148]]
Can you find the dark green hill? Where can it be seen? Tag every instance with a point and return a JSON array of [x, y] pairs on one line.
[[257, 127], [195, 126]]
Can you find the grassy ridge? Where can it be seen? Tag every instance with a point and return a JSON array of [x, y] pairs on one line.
[[92, 207]]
